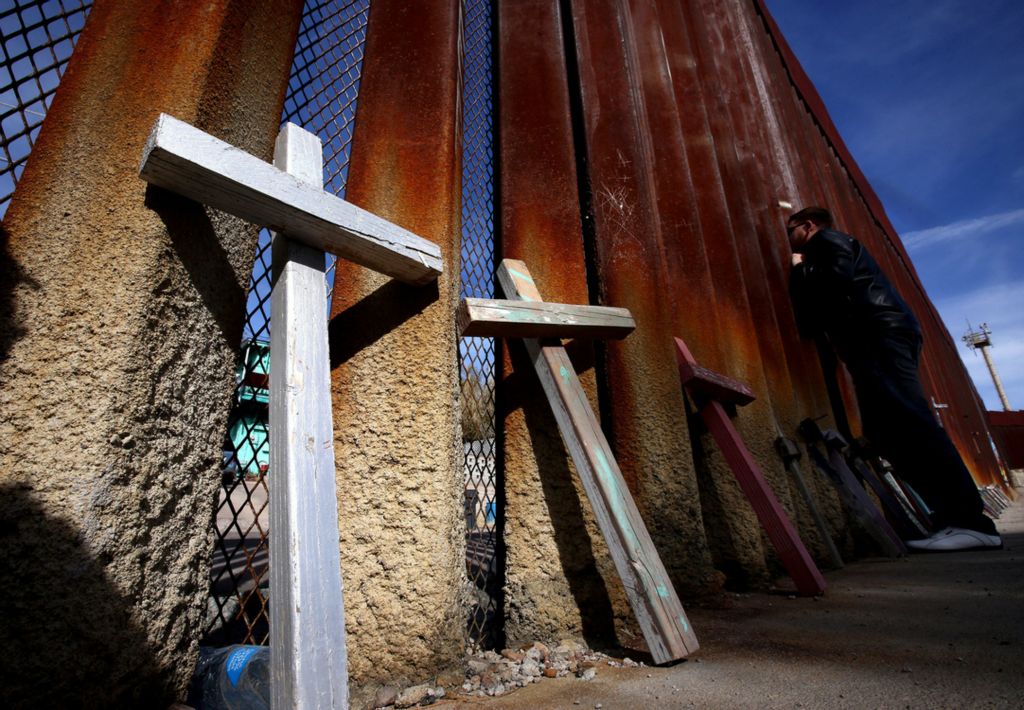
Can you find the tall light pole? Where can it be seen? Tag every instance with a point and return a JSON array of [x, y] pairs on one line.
[[981, 340]]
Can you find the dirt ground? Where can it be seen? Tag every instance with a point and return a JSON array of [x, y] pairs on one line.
[[930, 631]]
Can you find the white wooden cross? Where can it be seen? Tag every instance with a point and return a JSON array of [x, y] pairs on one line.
[[309, 661]]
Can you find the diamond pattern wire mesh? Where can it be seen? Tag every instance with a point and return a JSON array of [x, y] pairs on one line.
[[37, 38], [321, 97], [477, 355]]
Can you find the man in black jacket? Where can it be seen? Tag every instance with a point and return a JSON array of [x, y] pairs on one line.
[[839, 291]]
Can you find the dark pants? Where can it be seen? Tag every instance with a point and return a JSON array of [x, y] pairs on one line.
[[902, 426]]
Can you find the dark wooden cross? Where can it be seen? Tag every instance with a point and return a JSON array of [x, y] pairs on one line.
[[709, 391], [525, 315], [309, 660], [851, 492], [902, 519], [790, 454]]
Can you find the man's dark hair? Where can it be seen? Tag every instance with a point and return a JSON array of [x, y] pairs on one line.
[[819, 215]]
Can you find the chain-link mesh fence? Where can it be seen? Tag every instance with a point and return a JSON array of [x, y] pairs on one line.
[[37, 38], [321, 98], [477, 355]]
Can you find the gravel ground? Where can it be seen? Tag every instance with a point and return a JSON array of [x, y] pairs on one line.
[[931, 631]]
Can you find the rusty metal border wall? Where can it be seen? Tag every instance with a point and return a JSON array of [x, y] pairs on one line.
[[686, 128]]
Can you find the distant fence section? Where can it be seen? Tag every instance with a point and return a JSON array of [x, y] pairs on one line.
[[477, 355], [37, 38]]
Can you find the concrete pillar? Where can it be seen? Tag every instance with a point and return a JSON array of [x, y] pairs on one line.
[[120, 313], [395, 381]]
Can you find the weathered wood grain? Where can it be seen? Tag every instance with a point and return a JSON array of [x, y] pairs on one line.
[[309, 661], [834, 444], [777, 525], [504, 318], [188, 161], [653, 598]]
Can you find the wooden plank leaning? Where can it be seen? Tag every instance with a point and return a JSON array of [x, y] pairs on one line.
[[184, 159], [852, 494], [653, 598], [709, 389], [309, 660]]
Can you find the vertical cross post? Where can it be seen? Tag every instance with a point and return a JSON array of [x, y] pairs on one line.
[[853, 495], [309, 663]]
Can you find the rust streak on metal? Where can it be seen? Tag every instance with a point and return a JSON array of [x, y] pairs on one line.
[[541, 225], [632, 248], [393, 348]]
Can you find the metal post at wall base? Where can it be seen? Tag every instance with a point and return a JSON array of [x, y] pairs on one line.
[[309, 660], [709, 390], [651, 593]]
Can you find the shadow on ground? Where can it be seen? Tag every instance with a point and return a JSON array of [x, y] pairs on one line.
[[931, 631]]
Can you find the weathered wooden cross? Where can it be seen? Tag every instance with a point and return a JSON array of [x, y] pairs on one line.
[[709, 390], [309, 662], [851, 492], [525, 315], [902, 519]]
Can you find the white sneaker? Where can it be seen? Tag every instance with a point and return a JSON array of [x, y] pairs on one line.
[[953, 539]]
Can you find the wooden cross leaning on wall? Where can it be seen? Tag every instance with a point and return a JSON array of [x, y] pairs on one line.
[[710, 391], [525, 315], [309, 662]]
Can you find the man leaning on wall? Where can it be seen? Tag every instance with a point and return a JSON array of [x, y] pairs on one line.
[[840, 292]]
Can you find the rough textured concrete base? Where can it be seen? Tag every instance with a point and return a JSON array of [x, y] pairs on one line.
[[395, 377], [121, 312]]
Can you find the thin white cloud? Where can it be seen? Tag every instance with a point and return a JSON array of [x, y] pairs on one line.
[[964, 229]]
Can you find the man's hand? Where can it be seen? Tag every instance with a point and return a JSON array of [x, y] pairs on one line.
[[798, 259]]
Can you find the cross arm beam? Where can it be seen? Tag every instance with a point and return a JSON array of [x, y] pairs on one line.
[[707, 383], [502, 318], [184, 159]]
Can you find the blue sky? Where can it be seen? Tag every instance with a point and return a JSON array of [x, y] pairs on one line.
[[929, 97]]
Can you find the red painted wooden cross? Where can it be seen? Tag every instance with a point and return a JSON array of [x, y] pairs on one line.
[[709, 391]]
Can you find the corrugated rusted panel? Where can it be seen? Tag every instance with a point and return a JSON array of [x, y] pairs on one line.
[[774, 173], [803, 181], [644, 407], [555, 555], [395, 381], [731, 233], [1008, 431], [755, 213], [862, 214], [762, 151]]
